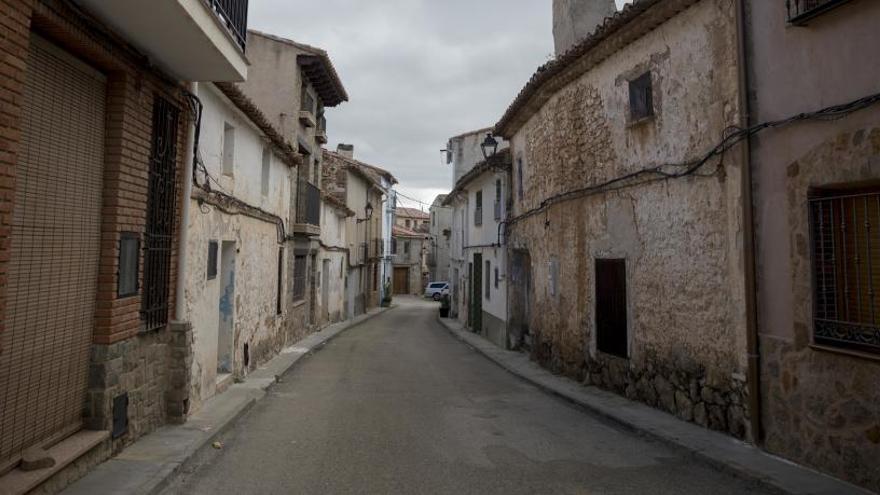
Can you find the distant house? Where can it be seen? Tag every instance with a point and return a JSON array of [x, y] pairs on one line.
[[408, 253], [441, 239]]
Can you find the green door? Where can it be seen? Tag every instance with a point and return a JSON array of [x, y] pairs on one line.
[[477, 295]]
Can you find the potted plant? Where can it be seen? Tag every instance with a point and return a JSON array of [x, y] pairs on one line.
[[444, 306]]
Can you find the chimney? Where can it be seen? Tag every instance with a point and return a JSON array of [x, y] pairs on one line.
[[574, 20], [346, 150]]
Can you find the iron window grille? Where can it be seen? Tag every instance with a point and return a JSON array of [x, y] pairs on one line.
[[641, 98], [161, 205], [801, 11], [299, 277], [129, 264], [846, 270]]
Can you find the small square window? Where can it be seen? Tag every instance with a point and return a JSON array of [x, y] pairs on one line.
[[641, 97], [129, 264], [212, 260]]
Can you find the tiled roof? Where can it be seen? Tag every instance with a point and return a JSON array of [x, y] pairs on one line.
[[318, 68], [411, 213], [255, 115], [369, 172], [616, 32], [398, 231]]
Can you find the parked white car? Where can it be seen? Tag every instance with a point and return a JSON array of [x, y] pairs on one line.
[[436, 290]]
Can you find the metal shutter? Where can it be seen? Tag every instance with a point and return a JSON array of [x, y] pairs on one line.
[[55, 249]]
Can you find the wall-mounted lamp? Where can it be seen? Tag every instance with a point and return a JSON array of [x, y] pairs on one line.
[[489, 146]]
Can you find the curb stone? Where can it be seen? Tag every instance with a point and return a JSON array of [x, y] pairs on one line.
[[715, 449]]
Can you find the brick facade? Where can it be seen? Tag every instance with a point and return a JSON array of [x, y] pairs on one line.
[[123, 359]]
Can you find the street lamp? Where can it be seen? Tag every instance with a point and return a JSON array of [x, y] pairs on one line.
[[368, 210], [489, 146]]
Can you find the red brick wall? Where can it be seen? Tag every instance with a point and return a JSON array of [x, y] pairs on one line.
[[14, 40], [131, 89]]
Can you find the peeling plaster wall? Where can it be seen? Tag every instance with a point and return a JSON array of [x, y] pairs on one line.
[[332, 252], [821, 407], [680, 238], [256, 322]]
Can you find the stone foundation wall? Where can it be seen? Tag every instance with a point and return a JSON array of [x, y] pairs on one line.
[[138, 367]]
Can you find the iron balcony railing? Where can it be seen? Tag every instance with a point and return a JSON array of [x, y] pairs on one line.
[[801, 11], [308, 204], [234, 15]]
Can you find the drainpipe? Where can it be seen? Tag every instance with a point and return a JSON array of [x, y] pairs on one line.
[[180, 302], [752, 351]]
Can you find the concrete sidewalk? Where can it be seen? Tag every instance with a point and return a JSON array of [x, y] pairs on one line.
[[720, 451], [149, 464]]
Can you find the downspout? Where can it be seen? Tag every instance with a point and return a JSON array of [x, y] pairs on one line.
[[189, 159], [753, 380]]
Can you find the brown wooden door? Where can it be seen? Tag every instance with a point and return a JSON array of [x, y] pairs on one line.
[[55, 239], [401, 280]]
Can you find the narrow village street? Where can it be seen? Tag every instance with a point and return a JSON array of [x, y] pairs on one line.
[[397, 405]]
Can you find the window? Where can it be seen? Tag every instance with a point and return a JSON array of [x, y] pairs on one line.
[[129, 264], [228, 149], [519, 176], [497, 199], [299, 278], [280, 281], [496, 277], [212, 260], [846, 269], [641, 98], [611, 324], [405, 247], [478, 209], [488, 280], [393, 245], [433, 219], [267, 163], [553, 276], [408, 224], [801, 11]]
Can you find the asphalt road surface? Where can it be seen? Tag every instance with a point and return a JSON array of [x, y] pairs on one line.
[[397, 405]]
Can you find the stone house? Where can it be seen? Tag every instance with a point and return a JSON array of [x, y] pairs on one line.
[[408, 253], [332, 259], [95, 150], [360, 187], [236, 243], [412, 218], [463, 152], [816, 201], [441, 239], [626, 259], [481, 199], [292, 84]]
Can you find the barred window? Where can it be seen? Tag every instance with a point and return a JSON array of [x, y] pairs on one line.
[[641, 98], [846, 268], [299, 278]]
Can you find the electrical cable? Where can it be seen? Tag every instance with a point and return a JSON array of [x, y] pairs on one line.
[[733, 136]]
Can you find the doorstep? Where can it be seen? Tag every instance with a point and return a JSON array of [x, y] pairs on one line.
[[64, 452], [720, 451], [147, 466]]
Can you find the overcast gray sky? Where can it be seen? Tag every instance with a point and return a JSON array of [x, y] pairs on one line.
[[417, 71]]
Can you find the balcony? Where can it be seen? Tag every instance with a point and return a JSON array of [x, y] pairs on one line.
[[321, 133], [201, 40], [802, 11], [307, 119], [308, 210]]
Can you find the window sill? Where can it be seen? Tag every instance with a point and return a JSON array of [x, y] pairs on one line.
[[640, 122], [846, 352], [298, 303]]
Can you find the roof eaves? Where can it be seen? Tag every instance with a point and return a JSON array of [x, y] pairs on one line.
[[615, 33]]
